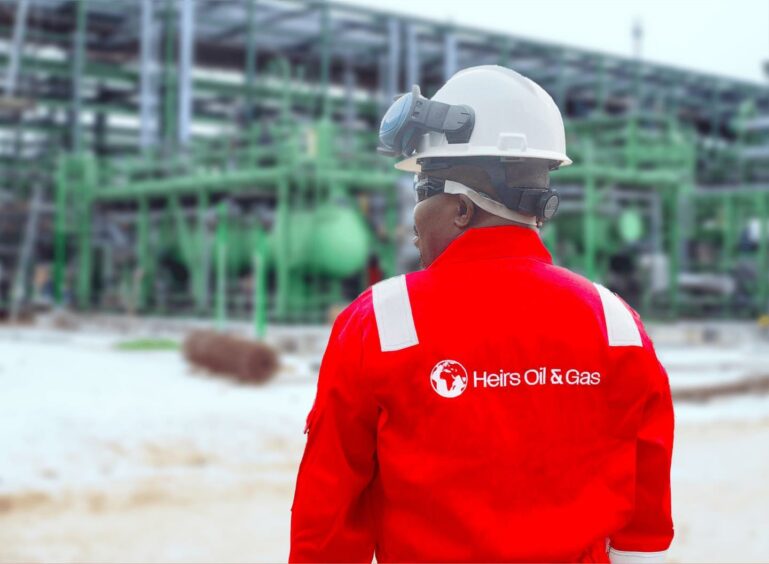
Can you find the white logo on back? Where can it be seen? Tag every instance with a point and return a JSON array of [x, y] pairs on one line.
[[448, 378]]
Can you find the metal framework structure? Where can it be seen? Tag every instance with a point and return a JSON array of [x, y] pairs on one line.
[[218, 157]]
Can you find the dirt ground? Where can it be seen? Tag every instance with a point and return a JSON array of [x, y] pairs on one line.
[[720, 510], [96, 468]]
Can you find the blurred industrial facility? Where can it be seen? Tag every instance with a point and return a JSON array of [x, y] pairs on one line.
[[217, 158], [170, 167]]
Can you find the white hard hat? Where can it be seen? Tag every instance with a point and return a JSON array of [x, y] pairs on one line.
[[513, 117]]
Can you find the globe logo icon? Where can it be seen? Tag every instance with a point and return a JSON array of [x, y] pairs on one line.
[[448, 378]]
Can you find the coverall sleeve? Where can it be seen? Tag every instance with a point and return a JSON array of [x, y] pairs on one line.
[[330, 517], [649, 533]]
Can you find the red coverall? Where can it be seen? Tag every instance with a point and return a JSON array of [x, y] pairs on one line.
[[492, 407]]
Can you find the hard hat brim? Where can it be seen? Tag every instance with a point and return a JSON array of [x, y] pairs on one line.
[[465, 150]]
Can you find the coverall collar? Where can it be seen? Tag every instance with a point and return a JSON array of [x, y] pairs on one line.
[[499, 241]]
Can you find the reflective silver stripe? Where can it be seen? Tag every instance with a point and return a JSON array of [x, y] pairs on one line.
[[392, 310], [625, 557], [620, 325]]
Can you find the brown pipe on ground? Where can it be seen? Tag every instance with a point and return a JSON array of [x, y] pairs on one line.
[[247, 361]]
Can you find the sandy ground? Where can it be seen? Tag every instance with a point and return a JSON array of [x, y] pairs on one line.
[[118, 456]]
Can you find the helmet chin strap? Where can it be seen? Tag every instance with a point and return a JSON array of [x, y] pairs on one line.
[[489, 204]]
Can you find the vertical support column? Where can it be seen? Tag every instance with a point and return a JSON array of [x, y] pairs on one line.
[[19, 30], [250, 60], [349, 103], [390, 258], [148, 101], [674, 247], [189, 249], [169, 75], [602, 86], [78, 62], [681, 216], [143, 252], [381, 96], [27, 252], [589, 218], [638, 67], [549, 235], [762, 268], [562, 87], [715, 108], [727, 252], [393, 57], [631, 141], [60, 231], [221, 265], [505, 47], [260, 284], [83, 205], [282, 253], [100, 126], [186, 61], [412, 56], [449, 54], [638, 86], [728, 230], [203, 259], [325, 57], [107, 268]]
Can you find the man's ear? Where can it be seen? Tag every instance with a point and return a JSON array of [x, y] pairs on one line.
[[465, 212]]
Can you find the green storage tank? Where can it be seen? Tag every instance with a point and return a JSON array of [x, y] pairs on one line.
[[332, 240]]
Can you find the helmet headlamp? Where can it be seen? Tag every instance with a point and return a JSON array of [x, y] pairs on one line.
[[412, 115]]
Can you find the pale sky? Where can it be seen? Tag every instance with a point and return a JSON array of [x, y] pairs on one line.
[[729, 38]]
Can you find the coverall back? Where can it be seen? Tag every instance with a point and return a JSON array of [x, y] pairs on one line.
[[492, 407]]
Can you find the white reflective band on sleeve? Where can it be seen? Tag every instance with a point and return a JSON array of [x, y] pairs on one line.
[[620, 325], [392, 310], [624, 557]]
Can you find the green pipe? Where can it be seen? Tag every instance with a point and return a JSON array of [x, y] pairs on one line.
[[284, 245], [143, 252], [204, 157], [60, 231], [360, 178], [83, 204], [221, 266], [734, 218], [734, 192], [114, 110], [729, 225], [183, 233], [762, 259], [389, 262], [209, 182], [107, 266], [616, 174], [674, 198], [260, 287], [549, 235], [589, 217], [201, 270], [208, 85]]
